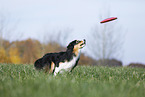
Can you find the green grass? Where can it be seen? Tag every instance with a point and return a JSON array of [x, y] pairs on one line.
[[84, 81]]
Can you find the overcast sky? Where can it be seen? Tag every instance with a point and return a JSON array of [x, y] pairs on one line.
[[34, 17]]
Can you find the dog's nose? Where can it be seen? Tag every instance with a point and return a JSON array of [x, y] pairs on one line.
[[84, 41]]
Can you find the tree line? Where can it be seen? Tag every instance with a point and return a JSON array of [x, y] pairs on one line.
[[27, 51]]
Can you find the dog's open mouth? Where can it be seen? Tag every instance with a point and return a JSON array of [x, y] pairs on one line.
[[83, 44]]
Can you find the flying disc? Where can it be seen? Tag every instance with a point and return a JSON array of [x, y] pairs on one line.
[[108, 19]]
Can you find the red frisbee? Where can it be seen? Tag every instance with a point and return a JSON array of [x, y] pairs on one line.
[[108, 19]]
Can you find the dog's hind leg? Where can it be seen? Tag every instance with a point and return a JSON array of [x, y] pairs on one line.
[[52, 67], [49, 67], [46, 68]]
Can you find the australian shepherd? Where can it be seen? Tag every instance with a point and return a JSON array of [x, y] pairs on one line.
[[63, 61]]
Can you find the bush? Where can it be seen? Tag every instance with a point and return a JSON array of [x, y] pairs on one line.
[[109, 62], [139, 65]]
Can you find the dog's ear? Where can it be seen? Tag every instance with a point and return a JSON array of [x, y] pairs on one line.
[[69, 46]]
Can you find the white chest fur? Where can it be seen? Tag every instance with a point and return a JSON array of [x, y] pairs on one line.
[[67, 66]]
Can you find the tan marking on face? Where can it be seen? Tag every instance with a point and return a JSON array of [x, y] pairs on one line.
[[77, 47]]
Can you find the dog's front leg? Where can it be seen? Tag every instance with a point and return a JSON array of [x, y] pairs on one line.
[[56, 71]]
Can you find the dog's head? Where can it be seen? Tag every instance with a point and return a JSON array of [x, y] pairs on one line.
[[76, 45]]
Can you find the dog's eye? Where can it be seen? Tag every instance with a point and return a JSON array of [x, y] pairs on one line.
[[77, 41]]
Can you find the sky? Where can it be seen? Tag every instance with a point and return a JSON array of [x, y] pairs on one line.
[[38, 18]]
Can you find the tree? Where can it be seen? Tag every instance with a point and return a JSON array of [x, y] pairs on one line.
[[63, 36], [3, 23], [7, 33], [3, 56], [6, 29], [54, 38], [14, 56], [31, 51], [106, 41]]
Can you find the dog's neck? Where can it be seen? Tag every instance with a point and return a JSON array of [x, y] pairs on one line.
[[71, 53]]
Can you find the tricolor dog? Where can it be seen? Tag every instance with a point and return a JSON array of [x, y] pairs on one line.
[[63, 61]]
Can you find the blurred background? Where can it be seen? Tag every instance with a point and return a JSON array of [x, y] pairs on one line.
[[31, 28]]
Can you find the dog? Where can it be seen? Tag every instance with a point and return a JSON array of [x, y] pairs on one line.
[[55, 63]]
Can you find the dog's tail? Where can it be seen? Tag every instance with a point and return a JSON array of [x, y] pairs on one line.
[[38, 64]]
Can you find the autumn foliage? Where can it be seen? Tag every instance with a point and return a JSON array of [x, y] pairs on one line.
[[3, 56], [27, 51]]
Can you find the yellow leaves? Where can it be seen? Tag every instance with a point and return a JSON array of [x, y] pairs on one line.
[[2, 52], [10, 56], [3, 56], [14, 56]]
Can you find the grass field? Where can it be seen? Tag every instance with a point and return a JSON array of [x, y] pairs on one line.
[[84, 81]]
